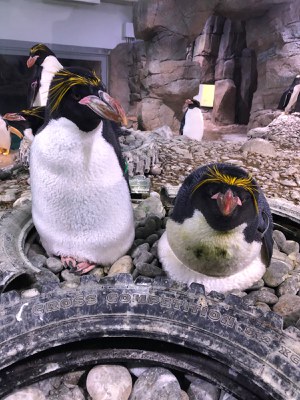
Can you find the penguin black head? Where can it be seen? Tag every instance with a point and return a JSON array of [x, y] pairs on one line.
[[28, 118], [225, 194], [37, 54], [192, 103], [78, 95]]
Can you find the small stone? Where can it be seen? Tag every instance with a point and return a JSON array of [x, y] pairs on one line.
[[276, 273], [263, 306], [28, 293], [257, 285], [66, 393], [290, 246], [140, 249], [184, 396], [264, 296], [7, 197], [72, 378], [38, 260], [152, 239], [21, 201], [28, 393], [149, 270], [109, 382], [145, 257], [288, 306], [98, 272], [155, 170], [156, 384], [152, 205], [141, 232], [70, 285], [150, 226], [259, 146], [123, 265], [200, 389], [69, 277], [54, 264], [279, 255], [290, 286], [279, 238], [288, 182]]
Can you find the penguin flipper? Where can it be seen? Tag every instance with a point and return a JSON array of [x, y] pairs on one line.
[[182, 124], [32, 93], [284, 99], [265, 228]]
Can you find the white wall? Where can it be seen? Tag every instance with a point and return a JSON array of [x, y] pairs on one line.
[[63, 22]]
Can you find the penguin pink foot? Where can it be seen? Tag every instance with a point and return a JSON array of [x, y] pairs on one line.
[[82, 267]]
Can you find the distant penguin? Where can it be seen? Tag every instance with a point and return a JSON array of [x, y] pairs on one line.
[[290, 96], [46, 64], [6, 130], [220, 230], [27, 122], [81, 204], [192, 121]]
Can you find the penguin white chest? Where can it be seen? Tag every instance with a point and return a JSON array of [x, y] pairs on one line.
[[193, 125], [80, 200], [50, 66], [5, 138]]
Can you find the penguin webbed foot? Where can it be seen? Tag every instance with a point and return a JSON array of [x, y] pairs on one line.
[[77, 267]]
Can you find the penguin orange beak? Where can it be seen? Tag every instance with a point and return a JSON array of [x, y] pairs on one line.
[[31, 61], [105, 106], [15, 131], [227, 202]]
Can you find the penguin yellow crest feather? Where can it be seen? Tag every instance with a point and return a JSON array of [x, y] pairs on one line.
[[214, 175], [62, 85]]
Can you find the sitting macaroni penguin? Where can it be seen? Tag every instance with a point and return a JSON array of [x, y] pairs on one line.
[[81, 204], [192, 122], [220, 231]]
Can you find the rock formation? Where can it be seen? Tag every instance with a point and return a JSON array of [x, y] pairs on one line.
[[249, 51]]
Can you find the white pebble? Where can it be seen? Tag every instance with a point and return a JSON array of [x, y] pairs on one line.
[[109, 382]]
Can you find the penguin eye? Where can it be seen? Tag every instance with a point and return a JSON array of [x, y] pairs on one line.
[[76, 96]]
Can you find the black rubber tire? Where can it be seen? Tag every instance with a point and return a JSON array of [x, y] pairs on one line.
[[149, 321]]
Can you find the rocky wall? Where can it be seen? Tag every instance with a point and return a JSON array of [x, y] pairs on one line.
[[250, 50]]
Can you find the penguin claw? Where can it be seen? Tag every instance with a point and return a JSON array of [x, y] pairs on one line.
[[77, 268]]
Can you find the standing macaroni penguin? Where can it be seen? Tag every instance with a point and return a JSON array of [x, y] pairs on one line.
[[81, 203], [192, 121], [46, 65], [220, 231], [290, 97]]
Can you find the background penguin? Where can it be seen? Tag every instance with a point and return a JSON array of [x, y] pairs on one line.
[[27, 122], [290, 96], [220, 231], [81, 203], [192, 121], [46, 64], [6, 130]]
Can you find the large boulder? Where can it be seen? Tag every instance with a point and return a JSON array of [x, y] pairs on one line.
[[224, 102]]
